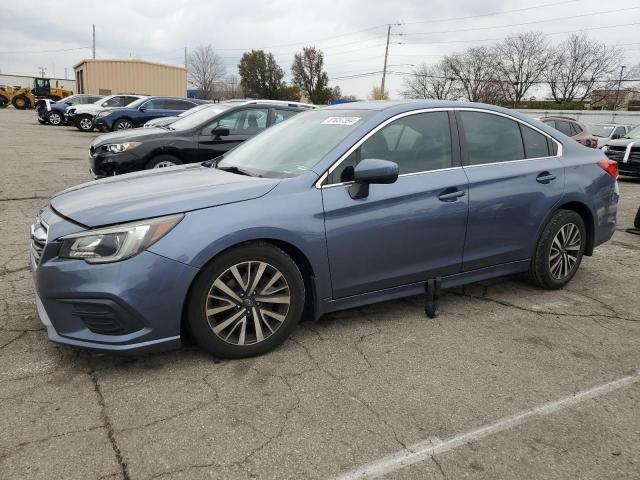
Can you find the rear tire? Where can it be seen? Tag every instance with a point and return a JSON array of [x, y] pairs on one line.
[[559, 250], [84, 123], [123, 124], [20, 102], [4, 101], [54, 118], [244, 318], [163, 161]]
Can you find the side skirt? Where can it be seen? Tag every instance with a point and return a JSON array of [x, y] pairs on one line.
[[413, 289]]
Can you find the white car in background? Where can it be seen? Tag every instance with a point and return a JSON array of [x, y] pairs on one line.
[[608, 131], [81, 116]]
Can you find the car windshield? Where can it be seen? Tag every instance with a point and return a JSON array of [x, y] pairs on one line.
[[634, 134], [601, 130], [199, 116], [295, 146]]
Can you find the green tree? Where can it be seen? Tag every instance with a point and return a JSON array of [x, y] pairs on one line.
[[309, 75], [261, 76]]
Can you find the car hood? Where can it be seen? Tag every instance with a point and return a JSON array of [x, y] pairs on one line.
[[622, 142], [155, 193], [88, 108], [129, 135]]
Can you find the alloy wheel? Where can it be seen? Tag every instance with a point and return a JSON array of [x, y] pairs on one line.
[[86, 124], [123, 126], [55, 119], [164, 164], [565, 250], [248, 303]]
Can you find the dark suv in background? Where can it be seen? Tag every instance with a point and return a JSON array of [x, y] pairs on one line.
[[138, 113], [200, 136]]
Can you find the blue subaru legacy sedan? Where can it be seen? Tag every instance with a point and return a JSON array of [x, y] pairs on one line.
[[332, 209]]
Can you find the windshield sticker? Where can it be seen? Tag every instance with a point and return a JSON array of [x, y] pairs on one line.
[[340, 120]]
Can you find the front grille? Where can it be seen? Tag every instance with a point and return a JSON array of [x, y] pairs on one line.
[[618, 153], [39, 232]]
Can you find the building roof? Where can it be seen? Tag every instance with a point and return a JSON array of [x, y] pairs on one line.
[[125, 60]]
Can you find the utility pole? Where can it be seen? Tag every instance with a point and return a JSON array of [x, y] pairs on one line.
[[42, 71], [615, 107], [93, 43], [185, 57], [386, 54]]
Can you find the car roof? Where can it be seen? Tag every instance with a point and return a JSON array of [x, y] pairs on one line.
[[283, 103]]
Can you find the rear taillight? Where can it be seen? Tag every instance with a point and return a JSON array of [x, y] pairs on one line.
[[609, 166]]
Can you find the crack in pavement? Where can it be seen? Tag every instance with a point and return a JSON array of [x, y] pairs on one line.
[[124, 469]]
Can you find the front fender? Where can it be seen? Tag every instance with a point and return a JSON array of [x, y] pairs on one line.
[[294, 218]]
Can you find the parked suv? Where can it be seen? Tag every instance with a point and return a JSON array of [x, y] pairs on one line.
[[81, 116], [207, 133], [608, 131], [136, 114], [625, 151], [53, 113], [334, 208]]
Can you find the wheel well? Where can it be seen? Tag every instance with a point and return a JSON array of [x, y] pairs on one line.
[[298, 257], [123, 118], [589, 223]]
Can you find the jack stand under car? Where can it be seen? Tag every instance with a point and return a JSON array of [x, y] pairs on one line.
[[432, 290]]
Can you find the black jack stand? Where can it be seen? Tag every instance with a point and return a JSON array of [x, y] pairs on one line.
[[432, 289]]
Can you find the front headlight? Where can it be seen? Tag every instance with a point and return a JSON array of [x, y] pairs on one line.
[[119, 242], [604, 148], [121, 147]]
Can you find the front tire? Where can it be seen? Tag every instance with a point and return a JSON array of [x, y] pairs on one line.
[[559, 250], [84, 123], [246, 302], [54, 118], [123, 124], [162, 161], [20, 102]]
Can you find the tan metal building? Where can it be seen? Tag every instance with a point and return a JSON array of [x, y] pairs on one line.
[[106, 77]]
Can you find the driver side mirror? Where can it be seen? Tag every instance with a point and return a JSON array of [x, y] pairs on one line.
[[372, 170], [220, 132], [142, 108]]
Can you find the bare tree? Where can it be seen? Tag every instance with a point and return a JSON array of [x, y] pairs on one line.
[[206, 71], [431, 81], [579, 65], [474, 69], [520, 62], [232, 87]]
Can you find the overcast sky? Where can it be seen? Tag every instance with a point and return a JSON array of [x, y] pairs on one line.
[[351, 33]]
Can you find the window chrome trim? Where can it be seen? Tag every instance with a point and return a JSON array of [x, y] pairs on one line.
[[355, 146]]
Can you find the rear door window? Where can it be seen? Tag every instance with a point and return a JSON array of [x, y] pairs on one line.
[[535, 143], [282, 115], [564, 127], [491, 138]]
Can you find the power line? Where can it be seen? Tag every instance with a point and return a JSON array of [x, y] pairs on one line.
[[450, 19], [500, 80], [502, 38], [43, 51], [571, 17]]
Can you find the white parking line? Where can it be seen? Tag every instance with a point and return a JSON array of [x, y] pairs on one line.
[[424, 450]]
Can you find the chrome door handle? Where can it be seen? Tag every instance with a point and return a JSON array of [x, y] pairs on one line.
[[451, 196], [545, 177]]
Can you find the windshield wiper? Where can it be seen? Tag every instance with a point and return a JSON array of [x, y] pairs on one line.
[[234, 169]]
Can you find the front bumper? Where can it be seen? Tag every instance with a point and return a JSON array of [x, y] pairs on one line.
[[102, 164], [131, 306]]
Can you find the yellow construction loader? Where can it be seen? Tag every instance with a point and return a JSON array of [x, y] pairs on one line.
[[22, 97]]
